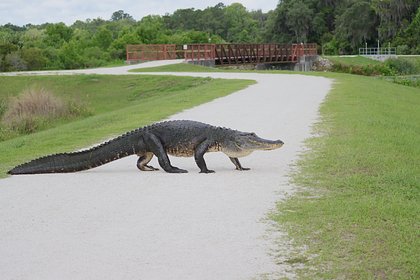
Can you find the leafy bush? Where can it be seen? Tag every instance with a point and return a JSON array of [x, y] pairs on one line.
[[14, 62], [401, 66], [403, 49], [411, 81], [365, 70], [34, 58]]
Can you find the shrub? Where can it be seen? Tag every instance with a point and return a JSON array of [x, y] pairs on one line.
[[412, 81], [365, 70], [403, 49], [401, 66], [14, 62], [382, 69], [34, 58]]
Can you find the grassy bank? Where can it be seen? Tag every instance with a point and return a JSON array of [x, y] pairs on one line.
[[359, 213], [118, 104], [404, 70], [353, 60]]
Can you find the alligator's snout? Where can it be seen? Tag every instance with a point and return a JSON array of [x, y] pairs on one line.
[[270, 144], [251, 142]]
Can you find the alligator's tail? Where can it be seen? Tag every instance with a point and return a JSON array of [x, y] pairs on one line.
[[71, 162]]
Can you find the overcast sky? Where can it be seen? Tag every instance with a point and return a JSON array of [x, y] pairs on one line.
[[21, 12]]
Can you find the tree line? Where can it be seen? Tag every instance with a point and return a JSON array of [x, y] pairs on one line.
[[338, 27]]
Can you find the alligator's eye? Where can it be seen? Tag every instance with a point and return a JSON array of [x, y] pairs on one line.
[[253, 134]]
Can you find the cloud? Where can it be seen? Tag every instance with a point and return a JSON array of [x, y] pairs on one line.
[[21, 12]]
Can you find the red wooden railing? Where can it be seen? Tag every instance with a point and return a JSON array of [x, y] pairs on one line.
[[223, 54]]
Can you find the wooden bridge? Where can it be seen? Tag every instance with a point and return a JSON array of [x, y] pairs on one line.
[[222, 54]]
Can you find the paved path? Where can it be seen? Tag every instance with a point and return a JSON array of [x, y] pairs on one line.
[[114, 222]]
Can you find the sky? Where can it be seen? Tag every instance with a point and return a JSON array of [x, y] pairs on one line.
[[21, 12]]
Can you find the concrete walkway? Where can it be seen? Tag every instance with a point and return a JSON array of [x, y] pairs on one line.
[[114, 222]]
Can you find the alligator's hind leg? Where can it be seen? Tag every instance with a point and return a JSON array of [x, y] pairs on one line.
[[155, 146], [143, 160], [238, 164]]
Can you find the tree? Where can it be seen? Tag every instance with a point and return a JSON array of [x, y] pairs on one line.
[[7, 46], [277, 31], [151, 30], [394, 15], [240, 26], [120, 15], [182, 19], [212, 20], [70, 55], [299, 19], [118, 46], [33, 58], [33, 37], [410, 37], [103, 38], [57, 34], [356, 24], [339, 26]]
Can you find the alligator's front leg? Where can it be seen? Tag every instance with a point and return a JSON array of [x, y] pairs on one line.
[[200, 150], [143, 160], [155, 146], [238, 164]]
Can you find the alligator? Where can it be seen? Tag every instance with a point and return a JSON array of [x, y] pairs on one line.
[[182, 138]]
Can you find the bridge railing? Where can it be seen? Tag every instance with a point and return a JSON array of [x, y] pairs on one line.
[[251, 53], [226, 54], [222, 54], [147, 52], [193, 52]]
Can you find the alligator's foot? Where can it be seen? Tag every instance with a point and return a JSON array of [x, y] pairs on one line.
[[143, 160], [207, 171], [242, 168], [148, 168], [238, 165], [176, 170]]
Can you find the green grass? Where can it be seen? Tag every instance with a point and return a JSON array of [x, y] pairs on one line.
[[119, 104], [359, 211], [181, 67], [115, 63], [102, 92], [353, 60]]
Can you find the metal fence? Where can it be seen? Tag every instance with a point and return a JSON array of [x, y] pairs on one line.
[[377, 51], [261, 53], [145, 52], [222, 54]]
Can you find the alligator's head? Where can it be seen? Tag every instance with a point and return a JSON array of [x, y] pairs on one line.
[[244, 143]]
